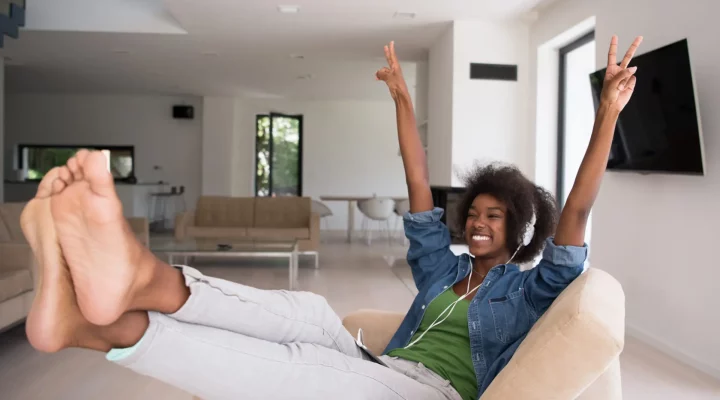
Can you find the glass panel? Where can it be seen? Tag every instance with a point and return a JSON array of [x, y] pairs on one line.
[[262, 178], [38, 160], [286, 156], [579, 114]]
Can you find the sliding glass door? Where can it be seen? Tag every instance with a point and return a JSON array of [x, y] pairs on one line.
[[278, 160]]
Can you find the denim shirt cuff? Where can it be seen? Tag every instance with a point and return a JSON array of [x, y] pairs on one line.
[[433, 215], [565, 256]]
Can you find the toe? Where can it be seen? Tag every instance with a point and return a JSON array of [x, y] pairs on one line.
[[45, 188], [58, 185], [96, 171], [73, 165]]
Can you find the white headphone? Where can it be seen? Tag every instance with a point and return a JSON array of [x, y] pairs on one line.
[[527, 237]]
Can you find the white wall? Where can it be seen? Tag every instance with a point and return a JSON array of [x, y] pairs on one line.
[[485, 125], [349, 148], [218, 127], [656, 234], [142, 121], [440, 110]]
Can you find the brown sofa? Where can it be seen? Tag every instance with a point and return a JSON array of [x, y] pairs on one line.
[[263, 218], [17, 268], [17, 264]]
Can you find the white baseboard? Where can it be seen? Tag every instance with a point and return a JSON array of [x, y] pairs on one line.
[[671, 351]]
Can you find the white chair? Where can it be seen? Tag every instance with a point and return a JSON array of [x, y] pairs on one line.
[[376, 209], [401, 208], [323, 211]]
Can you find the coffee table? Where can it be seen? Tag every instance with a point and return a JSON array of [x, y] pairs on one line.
[[250, 248]]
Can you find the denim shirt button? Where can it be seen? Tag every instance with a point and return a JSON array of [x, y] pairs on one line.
[[423, 306], [445, 287]]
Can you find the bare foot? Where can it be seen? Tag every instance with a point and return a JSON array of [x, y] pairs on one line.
[[111, 271], [55, 321]]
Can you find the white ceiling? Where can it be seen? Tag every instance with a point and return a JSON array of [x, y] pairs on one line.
[[232, 47]]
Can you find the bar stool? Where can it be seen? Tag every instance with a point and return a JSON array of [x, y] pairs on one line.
[[164, 207]]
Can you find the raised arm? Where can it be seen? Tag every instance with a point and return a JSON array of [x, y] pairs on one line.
[[617, 89], [411, 148]]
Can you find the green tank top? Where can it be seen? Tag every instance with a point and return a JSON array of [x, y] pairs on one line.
[[445, 349]]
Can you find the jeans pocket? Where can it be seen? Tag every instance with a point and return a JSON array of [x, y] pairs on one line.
[[430, 377], [510, 316]]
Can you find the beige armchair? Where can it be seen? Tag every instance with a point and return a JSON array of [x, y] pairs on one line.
[[571, 352]]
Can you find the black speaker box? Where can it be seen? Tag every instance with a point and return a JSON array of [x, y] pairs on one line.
[[183, 112]]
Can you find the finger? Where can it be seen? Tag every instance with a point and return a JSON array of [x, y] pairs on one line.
[[612, 59], [382, 74], [621, 86], [387, 55], [630, 85], [393, 56], [631, 52], [621, 76]]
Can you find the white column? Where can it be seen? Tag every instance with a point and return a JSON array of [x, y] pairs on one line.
[[440, 110], [217, 145], [477, 120]]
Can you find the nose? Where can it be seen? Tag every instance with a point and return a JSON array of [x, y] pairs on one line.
[[479, 224]]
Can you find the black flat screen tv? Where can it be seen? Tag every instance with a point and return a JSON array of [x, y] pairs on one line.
[[659, 130]]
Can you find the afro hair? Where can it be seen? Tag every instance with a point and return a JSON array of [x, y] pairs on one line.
[[521, 196]]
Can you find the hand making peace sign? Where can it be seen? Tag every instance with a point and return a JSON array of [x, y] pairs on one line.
[[619, 79], [392, 74]]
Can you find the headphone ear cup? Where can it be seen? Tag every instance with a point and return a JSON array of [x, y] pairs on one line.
[[529, 231]]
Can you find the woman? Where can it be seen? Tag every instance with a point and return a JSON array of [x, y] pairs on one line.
[[100, 289]]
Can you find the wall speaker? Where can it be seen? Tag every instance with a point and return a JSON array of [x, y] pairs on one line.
[[183, 112], [494, 72]]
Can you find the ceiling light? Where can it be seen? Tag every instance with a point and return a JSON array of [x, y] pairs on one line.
[[289, 9], [306, 77], [121, 51], [297, 56], [404, 15], [210, 53]]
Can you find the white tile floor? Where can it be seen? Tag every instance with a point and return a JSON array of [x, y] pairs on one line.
[[351, 277]]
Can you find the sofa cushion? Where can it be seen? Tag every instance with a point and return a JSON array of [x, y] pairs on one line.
[[279, 233], [215, 211], [282, 212], [10, 230], [14, 282], [215, 233]]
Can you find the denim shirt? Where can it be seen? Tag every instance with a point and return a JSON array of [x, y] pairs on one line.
[[504, 308]]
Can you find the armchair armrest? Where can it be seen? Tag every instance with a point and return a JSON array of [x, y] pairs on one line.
[[182, 221], [378, 327]]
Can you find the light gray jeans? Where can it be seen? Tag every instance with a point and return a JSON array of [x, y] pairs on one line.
[[231, 341]]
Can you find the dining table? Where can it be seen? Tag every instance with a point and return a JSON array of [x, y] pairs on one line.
[[352, 202]]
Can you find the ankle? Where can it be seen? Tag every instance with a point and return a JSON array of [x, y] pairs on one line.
[[163, 289]]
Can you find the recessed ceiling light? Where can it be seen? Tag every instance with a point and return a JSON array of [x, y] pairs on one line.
[[306, 77], [289, 9], [404, 15], [297, 56]]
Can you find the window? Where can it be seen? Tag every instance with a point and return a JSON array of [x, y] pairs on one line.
[[278, 155], [37, 160], [576, 112]]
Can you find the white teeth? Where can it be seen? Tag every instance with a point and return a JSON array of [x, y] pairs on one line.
[[480, 237]]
